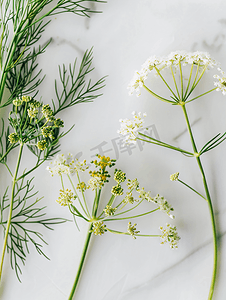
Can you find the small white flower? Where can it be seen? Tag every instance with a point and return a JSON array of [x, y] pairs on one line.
[[130, 128], [164, 205], [59, 165], [221, 83], [95, 183], [65, 164], [80, 166], [129, 198], [170, 235], [145, 195], [137, 82], [133, 184]]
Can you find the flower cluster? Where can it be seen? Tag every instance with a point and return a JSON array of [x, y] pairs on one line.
[[129, 198], [130, 128], [109, 210], [221, 83], [119, 176], [145, 195], [13, 138], [32, 120], [95, 183], [164, 205], [103, 162], [117, 190], [131, 229], [133, 184], [66, 165], [170, 235], [66, 197], [81, 186], [175, 60], [159, 200], [174, 177], [98, 228]]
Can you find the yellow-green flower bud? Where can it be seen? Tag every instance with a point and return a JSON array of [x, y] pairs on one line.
[[119, 176], [47, 131], [26, 98], [17, 102], [13, 138], [174, 177], [42, 145], [98, 228], [117, 190], [58, 123], [131, 229]]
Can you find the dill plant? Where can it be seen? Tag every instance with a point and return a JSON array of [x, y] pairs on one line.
[[31, 123], [181, 94], [85, 198]]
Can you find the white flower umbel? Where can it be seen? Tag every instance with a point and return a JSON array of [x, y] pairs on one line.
[[95, 183], [221, 83], [130, 128], [174, 59], [65, 164], [61, 165]]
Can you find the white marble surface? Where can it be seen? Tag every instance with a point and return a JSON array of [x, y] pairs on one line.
[[118, 267]]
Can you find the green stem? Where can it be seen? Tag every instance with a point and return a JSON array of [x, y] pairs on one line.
[[127, 233], [159, 143], [181, 81], [96, 203], [191, 188], [82, 260], [83, 196], [208, 198], [189, 80], [132, 217], [77, 196], [10, 210], [175, 83], [201, 95], [166, 83], [157, 96]]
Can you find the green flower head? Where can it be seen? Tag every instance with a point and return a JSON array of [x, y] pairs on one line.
[[98, 228], [117, 190], [119, 176], [132, 230], [13, 138], [42, 145]]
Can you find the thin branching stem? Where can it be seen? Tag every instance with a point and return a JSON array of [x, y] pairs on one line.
[[157, 96], [10, 209], [127, 233], [208, 198], [187, 185]]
